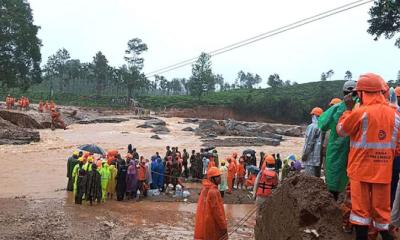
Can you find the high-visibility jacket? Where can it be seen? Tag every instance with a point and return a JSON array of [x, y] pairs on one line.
[[268, 180], [374, 132]]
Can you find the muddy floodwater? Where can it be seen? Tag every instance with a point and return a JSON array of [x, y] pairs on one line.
[[33, 181]]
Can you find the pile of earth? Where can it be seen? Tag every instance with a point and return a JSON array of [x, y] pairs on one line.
[[12, 134], [301, 208]]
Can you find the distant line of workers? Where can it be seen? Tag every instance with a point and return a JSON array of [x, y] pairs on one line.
[[50, 107], [24, 102], [357, 141]]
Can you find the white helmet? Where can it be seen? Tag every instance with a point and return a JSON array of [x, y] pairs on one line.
[[349, 86]]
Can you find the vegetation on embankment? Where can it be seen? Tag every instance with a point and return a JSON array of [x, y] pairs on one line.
[[289, 104]]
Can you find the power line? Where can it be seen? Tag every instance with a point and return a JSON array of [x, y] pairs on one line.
[[265, 35]]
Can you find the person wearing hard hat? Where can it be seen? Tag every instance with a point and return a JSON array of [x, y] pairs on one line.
[[335, 101], [105, 179], [373, 129], [223, 186], [267, 179], [231, 173], [337, 148], [210, 215], [312, 146], [71, 162]]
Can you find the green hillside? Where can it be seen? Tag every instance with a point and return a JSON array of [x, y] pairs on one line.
[[289, 104]]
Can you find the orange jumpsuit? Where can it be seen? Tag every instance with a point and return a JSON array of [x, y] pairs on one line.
[[52, 105], [55, 119], [241, 172], [210, 215], [374, 132], [46, 106], [9, 102], [231, 175], [40, 107]]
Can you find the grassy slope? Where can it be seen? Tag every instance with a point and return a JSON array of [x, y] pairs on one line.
[[287, 104]]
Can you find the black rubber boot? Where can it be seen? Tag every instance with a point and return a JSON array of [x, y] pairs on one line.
[[386, 235], [361, 232]]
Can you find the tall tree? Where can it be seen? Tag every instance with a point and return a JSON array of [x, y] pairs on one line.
[[19, 45], [348, 75], [248, 80], [385, 19], [134, 51], [274, 80], [219, 79], [202, 79], [329, 74], [323, 77], [56, 68], [163, 83], [100, 71]]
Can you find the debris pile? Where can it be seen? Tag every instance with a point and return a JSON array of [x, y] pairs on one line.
[[300, 209]]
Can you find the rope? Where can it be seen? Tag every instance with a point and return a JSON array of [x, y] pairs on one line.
[[240, 223]]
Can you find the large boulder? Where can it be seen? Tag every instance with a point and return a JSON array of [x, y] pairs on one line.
[[301, 208], [160, 130], [156, 122], [188, 129]]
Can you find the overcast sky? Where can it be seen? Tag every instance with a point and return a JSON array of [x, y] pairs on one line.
[[177, 30]]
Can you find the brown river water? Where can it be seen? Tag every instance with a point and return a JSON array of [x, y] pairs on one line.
[[38, 171]]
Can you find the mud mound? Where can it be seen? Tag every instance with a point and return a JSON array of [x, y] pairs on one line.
[[20, 119], [11, 134], [237, 142], [300, 209]]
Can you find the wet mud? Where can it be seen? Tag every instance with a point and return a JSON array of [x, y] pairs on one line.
[[34, 204]]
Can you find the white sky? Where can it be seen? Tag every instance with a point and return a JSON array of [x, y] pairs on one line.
[[176, 30]]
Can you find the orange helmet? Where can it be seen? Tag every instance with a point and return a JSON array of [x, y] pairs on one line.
[[335, 101], [371, 82], [213, 172], [269, 159], [397, 91], [317, 111]]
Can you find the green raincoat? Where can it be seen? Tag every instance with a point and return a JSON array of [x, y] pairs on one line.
[[105, 178], [337, 149]]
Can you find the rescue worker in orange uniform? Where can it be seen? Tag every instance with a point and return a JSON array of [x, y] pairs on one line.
[[210, 215], [52, 105], [142, 176], [231, 173], [56, 119], [40, 108], [373, 129], [241, 172], [46, 106], [235, 162], [267, 179], [8, 101]]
